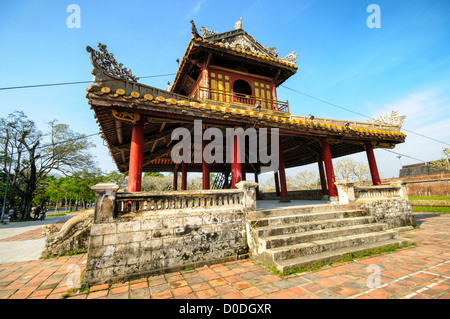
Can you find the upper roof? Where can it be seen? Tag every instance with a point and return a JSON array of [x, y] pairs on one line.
[[240, 39], [236, 46]]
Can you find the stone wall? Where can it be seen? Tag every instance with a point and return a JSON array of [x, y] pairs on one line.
[[395, 212], [425, 185], [146, 242], [388, 203]]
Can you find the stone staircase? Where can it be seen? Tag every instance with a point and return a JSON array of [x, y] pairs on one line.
[[299, 236]]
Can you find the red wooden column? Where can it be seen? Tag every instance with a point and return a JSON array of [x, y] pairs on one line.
[[205, 168], [372, 164], [329, 168], [183, 176], [323, 181], [277, 183], [205, 81], [257, 187], [274, 96], [283, 186], [136, 154], [236, 167], [175, 179]]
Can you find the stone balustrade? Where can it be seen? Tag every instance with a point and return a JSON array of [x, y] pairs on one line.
[[170, 200], [388, 203], [348, 192], [142, 233]]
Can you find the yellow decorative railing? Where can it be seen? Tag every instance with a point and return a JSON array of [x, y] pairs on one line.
[[238, 98]]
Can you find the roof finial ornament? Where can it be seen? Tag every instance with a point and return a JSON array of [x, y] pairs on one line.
[[105, 60], [194, 31], [238, 24], [392, 118]]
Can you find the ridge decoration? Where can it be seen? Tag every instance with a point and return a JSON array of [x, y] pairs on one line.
[[106, 61]]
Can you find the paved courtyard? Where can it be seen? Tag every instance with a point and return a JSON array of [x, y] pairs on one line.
[[417, 272]]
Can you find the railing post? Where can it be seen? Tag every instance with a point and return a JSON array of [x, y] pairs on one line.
[[105, 201], [249, 198], [401, 188], [346, 191]]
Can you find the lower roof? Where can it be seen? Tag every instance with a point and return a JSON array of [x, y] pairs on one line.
[[117, 104]]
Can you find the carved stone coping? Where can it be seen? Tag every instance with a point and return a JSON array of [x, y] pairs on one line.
[[347, 192], [111, 204]]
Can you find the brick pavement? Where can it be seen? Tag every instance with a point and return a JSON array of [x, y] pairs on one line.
[[417, 272]]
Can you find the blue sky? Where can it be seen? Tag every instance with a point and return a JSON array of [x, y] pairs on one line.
[[403, 66]]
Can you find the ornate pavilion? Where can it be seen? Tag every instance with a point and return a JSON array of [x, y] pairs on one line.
[[226, 80]]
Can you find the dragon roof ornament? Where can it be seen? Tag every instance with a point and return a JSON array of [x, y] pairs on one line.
[[290, 58], [242, 40], [391, 118], [206, 32], [106, 61]]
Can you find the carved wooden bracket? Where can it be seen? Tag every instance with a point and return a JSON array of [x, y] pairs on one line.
[[126, 116]]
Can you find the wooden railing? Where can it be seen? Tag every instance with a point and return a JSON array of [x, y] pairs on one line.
[[238, 98]]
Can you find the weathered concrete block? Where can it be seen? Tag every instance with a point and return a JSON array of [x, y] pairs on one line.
[[171, 222], [103, 229], [162, 233], [96, 241], [192, 220], [150, 224], [126, 227], [395, 212]]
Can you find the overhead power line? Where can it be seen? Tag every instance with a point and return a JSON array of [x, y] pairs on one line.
[[422, 161], [71, 83]]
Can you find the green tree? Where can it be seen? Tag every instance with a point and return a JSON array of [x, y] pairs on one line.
[[117, 178], [35, 155]]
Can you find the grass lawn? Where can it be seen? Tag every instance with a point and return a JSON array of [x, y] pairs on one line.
[[429, 198], [431, 209]]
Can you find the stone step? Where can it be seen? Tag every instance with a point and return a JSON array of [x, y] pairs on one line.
[[317, 235], [304, 217], [336, 254], [313, 225], [323, 245], [306, 209]]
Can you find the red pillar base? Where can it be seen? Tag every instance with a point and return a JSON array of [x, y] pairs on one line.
[[205, 169], [329, 169], [257, 187], [283, 185], [183, 176], [175, 180], [372, 164], [236, 167], [277, 183], [136, 154], [323, 181]]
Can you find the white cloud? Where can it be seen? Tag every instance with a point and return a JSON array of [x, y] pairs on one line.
[[195, 10]]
